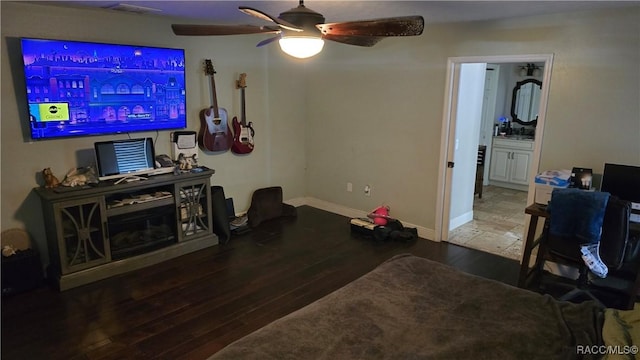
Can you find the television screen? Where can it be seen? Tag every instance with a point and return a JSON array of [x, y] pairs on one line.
[[80, 88], [124, 158], [622, 181]]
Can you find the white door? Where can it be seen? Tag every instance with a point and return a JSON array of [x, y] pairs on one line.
[[489, 113], [468, 119]]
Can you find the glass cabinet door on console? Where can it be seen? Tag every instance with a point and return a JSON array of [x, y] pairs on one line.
[[194, 207], [82, 239]]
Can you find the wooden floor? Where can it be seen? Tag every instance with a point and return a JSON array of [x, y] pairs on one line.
[[192, 306]]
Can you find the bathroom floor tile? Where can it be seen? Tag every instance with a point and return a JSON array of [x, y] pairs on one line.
[[498, 223]]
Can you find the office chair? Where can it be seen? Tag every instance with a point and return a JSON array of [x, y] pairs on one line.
[[617, 251]]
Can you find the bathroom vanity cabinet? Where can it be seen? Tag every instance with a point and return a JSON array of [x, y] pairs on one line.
[[511, 163]]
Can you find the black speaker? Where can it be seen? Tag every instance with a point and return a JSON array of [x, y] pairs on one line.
[[21, 272], [220, 215]]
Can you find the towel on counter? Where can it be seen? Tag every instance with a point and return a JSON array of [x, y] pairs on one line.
[[578, 213]]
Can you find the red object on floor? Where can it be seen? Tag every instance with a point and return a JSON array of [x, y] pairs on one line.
[[380, 215]]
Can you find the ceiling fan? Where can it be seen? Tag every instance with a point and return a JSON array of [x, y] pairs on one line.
[[301, 31]]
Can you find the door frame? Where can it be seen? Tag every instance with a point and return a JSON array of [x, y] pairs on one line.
[[447, 137]]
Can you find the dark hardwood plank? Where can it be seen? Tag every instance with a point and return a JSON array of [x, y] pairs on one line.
[[192, 306]]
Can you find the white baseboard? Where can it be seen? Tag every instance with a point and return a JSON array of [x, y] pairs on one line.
[[297, 201], [460, 220], [423, 232]]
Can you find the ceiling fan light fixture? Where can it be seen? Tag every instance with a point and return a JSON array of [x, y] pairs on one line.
[[302, 31], [301, 47]]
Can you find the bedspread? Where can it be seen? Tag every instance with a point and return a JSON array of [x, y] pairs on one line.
[[413, 308]]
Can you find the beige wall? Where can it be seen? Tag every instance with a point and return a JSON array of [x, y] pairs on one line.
[[274, 83], [360, 115], [375, 115]]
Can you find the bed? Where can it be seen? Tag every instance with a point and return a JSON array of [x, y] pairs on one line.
[[413, 308]]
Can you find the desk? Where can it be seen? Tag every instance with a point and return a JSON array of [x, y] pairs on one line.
[[536, 211]]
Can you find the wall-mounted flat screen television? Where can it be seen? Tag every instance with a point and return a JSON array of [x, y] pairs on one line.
[[78, 88]]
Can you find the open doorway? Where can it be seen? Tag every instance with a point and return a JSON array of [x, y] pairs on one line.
[[461, 135], [493, 221]]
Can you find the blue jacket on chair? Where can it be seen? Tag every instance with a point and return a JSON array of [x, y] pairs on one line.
[[578, 213]]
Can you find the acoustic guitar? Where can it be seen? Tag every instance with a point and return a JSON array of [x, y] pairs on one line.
[[215, 133], [243, 132]]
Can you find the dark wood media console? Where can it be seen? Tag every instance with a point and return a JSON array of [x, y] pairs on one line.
[[101, 231]]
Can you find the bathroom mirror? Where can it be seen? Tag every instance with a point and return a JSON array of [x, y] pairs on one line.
[[525, 103]]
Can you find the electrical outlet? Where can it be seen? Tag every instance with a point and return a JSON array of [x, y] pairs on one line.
[[367, 190], [349, 187]]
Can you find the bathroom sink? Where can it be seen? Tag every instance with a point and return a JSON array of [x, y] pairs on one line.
[[519, 137]]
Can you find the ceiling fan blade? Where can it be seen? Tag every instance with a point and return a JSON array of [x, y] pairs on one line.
[[203, 30], [398, 26], [264, 16], [367, 41], [268, 41]]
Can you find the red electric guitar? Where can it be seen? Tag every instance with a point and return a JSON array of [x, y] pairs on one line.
[[215, 134], [243, 132]]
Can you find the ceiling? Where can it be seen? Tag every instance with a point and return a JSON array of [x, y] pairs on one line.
[[226, 12]]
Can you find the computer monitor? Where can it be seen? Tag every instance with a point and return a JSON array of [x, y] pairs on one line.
[[622, 181], [122, 159]]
